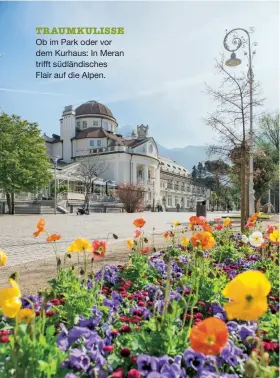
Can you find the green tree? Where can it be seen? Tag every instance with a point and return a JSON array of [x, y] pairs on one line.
[[24, 164], [264, 173]]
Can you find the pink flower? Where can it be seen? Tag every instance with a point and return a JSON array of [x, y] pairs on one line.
[[133, 373], [137, 233], [119, 373]]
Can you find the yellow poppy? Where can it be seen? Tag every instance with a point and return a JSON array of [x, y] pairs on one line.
[[184, 241], [10, 302], [176, 223], [274, 236], [248, 292], [80, 245], [3, 258], [26, 315], [130, 243], [227, 222]]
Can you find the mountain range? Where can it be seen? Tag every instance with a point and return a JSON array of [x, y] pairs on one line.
[[187, 156]]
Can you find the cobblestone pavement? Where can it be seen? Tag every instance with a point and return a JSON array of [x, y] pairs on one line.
[[17, 241]]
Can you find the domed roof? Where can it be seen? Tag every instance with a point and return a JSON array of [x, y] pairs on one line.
[[93, 107]]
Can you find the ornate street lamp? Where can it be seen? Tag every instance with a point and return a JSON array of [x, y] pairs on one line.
[[55, 160], [237, 43]]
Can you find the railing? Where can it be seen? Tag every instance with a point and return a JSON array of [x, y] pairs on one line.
[[100, 150]]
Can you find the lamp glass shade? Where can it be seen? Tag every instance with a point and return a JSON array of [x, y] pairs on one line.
[[233, 61]]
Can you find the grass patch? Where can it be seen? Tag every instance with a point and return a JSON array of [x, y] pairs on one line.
[[237, 216]]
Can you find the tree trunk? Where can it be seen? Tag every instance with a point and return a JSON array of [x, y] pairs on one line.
[[13, 203], [243, 188], [258, 205], [8, 196]]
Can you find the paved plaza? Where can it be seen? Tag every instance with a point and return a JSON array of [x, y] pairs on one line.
[[17, 241]]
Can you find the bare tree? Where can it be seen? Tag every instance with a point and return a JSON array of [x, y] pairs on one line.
[[132, 197], [231, 122], [89, 171]]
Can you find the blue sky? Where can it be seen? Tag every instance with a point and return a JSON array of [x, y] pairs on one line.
[[170, 50]]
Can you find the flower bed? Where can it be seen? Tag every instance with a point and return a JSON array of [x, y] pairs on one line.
[[204, 307]]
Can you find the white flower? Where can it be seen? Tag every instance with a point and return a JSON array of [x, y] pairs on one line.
[[256, 239], [244, 239]]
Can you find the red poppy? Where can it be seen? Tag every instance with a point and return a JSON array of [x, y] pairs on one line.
[[209, 336], [99, 249], [219, 227], [145, 250], [139, 222]]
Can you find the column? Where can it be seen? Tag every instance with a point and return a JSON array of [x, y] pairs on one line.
[[134, 173], [145, 175]]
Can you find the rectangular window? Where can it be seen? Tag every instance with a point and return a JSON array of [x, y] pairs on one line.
[[94, 123], [84, 124], [78, 124], [91, 143], [169, 200], [105, 125], [99, 143]]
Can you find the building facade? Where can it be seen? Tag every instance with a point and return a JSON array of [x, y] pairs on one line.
[[90, 132]]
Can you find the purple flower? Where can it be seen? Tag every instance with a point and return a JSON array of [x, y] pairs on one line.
[[157, 375], [146, 364], [194, 360], [71, 375], [232, 327], [79, 360], [76, 332], [172, 371], [245, 331]]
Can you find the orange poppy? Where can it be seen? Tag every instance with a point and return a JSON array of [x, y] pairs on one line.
[[53, 238], [197, 221], [167, 234], [40, 227], [250, 224], [203, 239], [209, 336], [99, 249], [139, 222], [207, 227]]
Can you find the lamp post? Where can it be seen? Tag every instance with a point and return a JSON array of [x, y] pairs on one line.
[[237, 43], [55, 159]]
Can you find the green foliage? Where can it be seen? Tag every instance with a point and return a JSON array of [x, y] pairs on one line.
[[79, 299], [24, 165], [32, 354], [225, 252]]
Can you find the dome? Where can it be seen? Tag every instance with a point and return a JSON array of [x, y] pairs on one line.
[[94, 108]]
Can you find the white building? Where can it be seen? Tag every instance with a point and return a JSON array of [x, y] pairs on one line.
[[90, 131]]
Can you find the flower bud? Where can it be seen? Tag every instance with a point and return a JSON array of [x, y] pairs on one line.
[[159, 318], [251, 340], [211, 275], [170, 308], [251, 369], [265, 358], [200, 253]]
